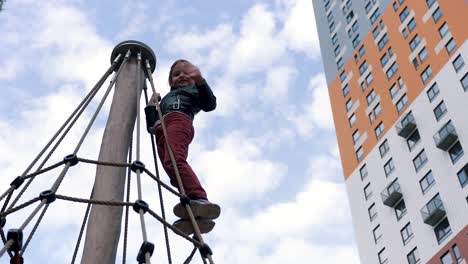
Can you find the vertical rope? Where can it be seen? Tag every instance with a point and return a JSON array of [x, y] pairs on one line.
[[83, 225], [129, 174], [161, 200]]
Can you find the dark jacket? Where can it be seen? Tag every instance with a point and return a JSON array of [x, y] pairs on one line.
[[188, 100]]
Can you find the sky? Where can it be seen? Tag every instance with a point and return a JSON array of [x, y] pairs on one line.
[[268, 154]]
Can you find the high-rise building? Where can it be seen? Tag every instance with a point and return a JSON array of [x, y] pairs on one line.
[[398, 85]]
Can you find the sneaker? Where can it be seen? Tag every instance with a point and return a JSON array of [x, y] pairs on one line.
[[184, 225], [200, 208]]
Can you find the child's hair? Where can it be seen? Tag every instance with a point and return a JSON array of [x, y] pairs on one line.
[[172, 69]]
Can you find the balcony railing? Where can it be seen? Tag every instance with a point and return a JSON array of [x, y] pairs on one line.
[[391, 194], [433, 211], [446, 136], [406, 126]]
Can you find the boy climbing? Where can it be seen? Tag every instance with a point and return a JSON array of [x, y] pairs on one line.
[[189, 94]]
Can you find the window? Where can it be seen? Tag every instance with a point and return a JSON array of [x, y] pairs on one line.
[[443, 30], [370, 97], [345, 90], [423, 55], [384, 60], [442, 230], [355, 26], [430, 3], [458, 63], [420, 160], [368, 7], [446, 258], [356, 41], [363, 67], [330, 17], [411, 25], [437, 15], [383, 42], [400, 105], [337, 50], [414, 42], [379, 130], [406, 233], [413, 140], [383, 256], [349, 104], [371, 117], [393, 90], [405, 33], [377, 233], [456, 152], [392, 71], [395, 6], [359, 153], [362, 51], [372, 212], [332, 26], [463, 176], [339, 64], [416, 63], [367, 191], [440, 110], [356, 136], [426, 182], [350, 17], [400, 209], [334, 39], [413, 256], [389, 167], [450, 46], [342, 76], [376, 32], [464, 82], [352, 120], [369, 78], [375, 16], [426, 74], [404, 14], [433, 92], [363, 172], [384, 148], [457, 254], [377, 110]]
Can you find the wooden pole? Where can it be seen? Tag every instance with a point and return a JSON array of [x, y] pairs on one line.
[[104, 223]]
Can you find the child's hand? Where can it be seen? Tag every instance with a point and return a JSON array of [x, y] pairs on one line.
[[195, 74], [155, 98]]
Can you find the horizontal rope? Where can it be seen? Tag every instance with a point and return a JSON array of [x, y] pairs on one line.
[[51, 167], [92, 201], [19, 207], [177, 231], [105, 163]]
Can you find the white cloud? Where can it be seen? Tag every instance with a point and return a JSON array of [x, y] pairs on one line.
[[299, 29], [278, 83], [318, 112]]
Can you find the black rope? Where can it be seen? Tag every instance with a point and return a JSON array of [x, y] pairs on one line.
[[129, 174], [83, 225], [19, 207], [169, 188], [190, 257], [33, 231], [161, 201], [104, 163], [51, 167], [91, 201], [2, 234]]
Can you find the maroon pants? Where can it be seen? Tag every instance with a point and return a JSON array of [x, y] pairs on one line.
[[180, 133]]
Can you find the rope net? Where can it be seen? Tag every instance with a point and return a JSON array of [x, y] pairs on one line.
[[16, 240]]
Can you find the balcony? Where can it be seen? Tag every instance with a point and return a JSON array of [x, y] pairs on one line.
[[406, 126], [391, 194], [433, 211], [446, 136]]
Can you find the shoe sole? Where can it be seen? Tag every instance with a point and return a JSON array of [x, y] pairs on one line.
[[206, 211], [205, 226]]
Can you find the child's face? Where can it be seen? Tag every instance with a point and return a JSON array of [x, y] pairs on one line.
[[181, 75]]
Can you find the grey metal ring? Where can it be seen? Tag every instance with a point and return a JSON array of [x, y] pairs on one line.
[[135, 46]]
